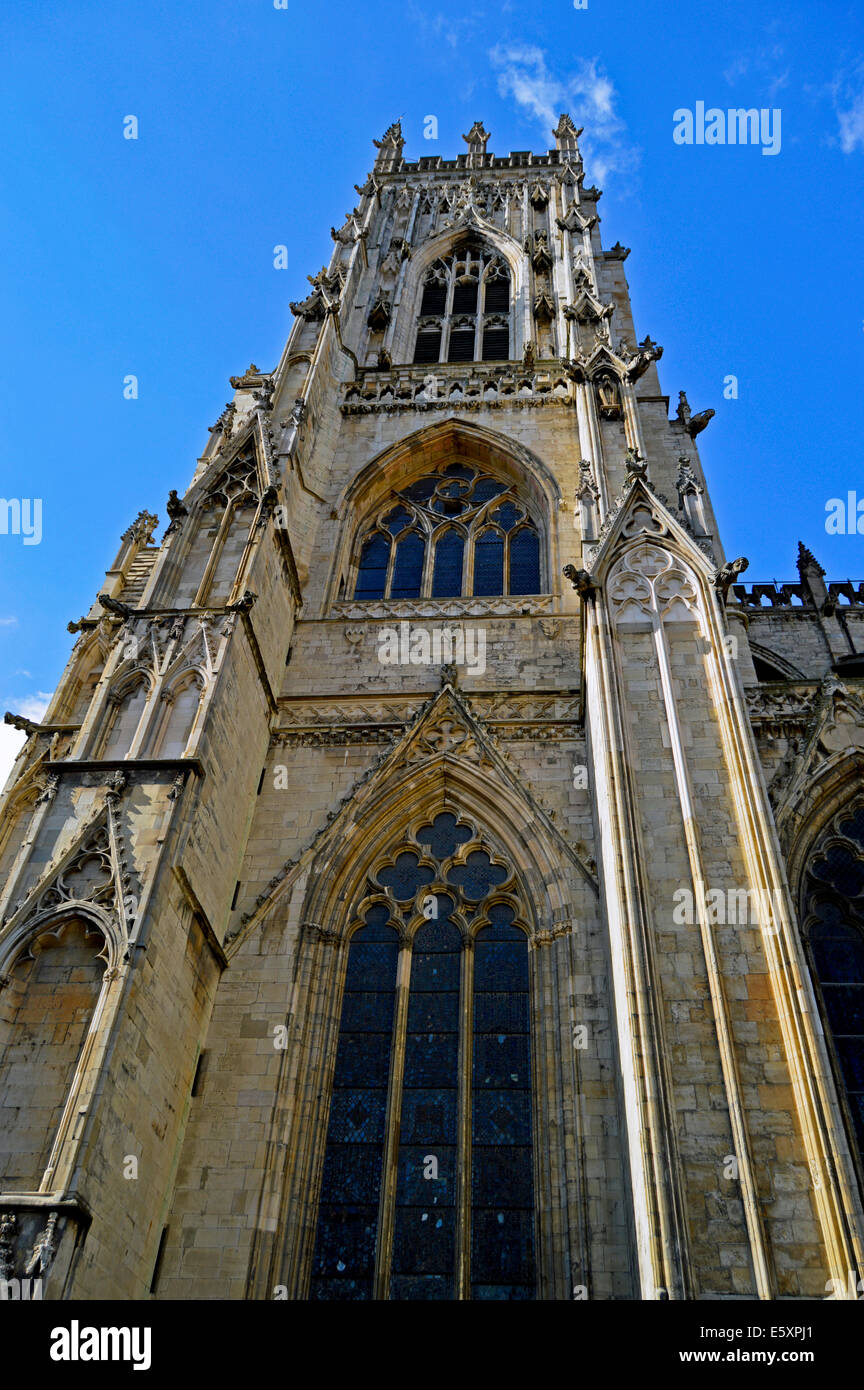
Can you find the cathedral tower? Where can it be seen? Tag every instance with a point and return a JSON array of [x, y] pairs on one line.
[[438, 875]]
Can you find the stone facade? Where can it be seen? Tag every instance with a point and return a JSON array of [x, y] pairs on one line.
[[195, 832]]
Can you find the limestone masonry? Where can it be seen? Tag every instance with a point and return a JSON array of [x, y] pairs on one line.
[[439, 873]]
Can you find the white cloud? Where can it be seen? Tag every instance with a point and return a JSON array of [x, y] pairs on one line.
[[586, 92], [849, 105], [11, 740], [8, 622]]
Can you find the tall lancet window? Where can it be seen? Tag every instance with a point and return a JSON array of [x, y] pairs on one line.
[[833, 922], [465, 308], [452, 533], [428, 1176]]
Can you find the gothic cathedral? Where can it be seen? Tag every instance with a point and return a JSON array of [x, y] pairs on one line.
[[439, 874]]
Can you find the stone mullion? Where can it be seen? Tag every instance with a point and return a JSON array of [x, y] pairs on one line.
[[448, 310], [542, 1104], [463, 1123], [215, 551], [390, 1167]]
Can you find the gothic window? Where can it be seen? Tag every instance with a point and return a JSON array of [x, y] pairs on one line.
[[465, 308], [224, 525], [428, 1178], [123, 716], [455, 532], [833, 920], [46, 1006]]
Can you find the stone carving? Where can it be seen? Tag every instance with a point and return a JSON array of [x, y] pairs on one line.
[[7, 1245], [650, 582], [44, 1249], [583, 582], [726, 576], [693, 424]]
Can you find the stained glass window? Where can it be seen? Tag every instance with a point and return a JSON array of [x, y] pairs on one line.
[[496, 549], [446, 1084], [834, 908]]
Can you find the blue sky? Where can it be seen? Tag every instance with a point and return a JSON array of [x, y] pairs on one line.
[[154, 257]]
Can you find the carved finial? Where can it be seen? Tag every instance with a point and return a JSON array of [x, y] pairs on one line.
[[566, 134], [476, 138], [142, 528], [449, 675], [807, 560]]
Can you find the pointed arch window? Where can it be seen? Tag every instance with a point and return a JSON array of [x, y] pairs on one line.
[[833, 918], [428, 1175], [465, 308], [453, 533]]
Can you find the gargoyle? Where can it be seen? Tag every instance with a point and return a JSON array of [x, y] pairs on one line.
[[113, 605], [583, 582], [727, 574]]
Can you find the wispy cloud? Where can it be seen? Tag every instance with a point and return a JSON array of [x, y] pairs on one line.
[[765, 67], [847, 93], [586, 92], [8, 622]]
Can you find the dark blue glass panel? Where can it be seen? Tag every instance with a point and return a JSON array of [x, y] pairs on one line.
[[458, 470], [842, 870], [502, 1248], [343, 1260], [405, 876], [432, 1287], [408, 566], [501, 1117], [488, 1293], [853, 827], [447, 575], [838, 951], [502, 1180], [845, 1007], [444, 835], [851, 1054], [397, 520], [506, 515], [489, 563], [485, 489], [425, 1224], [372, 574], [477, 875], [422, 490], [525, 562]]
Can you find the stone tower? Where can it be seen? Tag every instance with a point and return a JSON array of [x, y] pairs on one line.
[[438, 874]]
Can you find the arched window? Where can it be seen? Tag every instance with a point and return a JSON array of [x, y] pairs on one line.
[[833, 918], [465, 308], [455, 532], [123, 716], [428, 1178], [46, 1006]]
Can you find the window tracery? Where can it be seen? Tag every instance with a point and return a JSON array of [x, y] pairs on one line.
[[427, 1189]]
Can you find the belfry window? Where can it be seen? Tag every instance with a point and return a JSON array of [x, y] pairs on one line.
[[833, 920], [452, 533], [427, 1189], [465, 308]]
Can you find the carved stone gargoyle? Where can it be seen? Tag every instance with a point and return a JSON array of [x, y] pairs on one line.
[[113, 605], [727, 574], [583, 582]]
